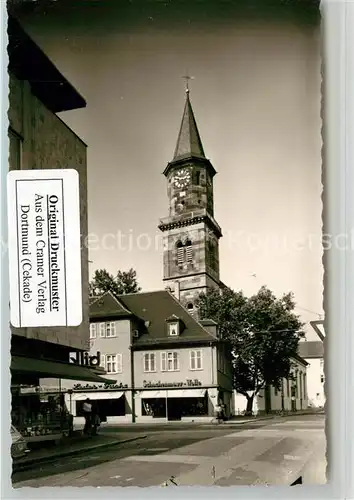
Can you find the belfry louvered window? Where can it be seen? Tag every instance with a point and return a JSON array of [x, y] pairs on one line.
[[188, 247], [180, 253], [184, 252]]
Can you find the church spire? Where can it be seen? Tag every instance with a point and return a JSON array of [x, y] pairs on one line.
[[189, 143]]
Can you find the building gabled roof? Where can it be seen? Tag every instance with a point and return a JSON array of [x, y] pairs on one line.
[[311, 349], [154, 309], [28, 62], [107, 306]]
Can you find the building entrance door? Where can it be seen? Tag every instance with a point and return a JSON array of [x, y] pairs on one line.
[[174, 409]]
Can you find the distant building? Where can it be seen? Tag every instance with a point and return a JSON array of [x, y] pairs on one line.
[[166, 365], [292, 395], [313, 352]]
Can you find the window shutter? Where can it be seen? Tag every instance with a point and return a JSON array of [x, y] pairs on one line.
[[146, 362], [152, 362], [180, 255], [113, 329], [189, 253], [102, 330], [199, 360], [175, 361], [192, 360], [119, 363], [163, 362], [103, 361]]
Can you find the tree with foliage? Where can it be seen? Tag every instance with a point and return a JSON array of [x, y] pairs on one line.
[[263, 334], [122, 283]]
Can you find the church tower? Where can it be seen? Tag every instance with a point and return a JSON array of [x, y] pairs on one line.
[[190, 232]]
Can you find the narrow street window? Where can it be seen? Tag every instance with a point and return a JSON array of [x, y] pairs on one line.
[[110, 329], [169, 362], [196, 360], [149, 362], [102, 330], [93, 331], [113, 363]]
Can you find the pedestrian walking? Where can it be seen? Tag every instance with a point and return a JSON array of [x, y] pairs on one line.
[[87, 410]]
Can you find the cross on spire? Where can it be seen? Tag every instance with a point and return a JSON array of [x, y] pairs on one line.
[[187, 78]]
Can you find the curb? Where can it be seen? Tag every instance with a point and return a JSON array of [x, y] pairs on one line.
[[259, 419], [18, 467]]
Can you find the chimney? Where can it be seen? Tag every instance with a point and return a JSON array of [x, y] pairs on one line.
[[211, 326], [177, 290]]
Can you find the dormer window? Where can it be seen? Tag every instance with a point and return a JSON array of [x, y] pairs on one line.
[[174, 326], [173, 329]]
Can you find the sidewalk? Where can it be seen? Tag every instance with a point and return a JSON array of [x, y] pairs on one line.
[[240, 420], [72, 446]]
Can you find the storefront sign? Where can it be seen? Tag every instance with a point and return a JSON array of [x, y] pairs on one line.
[[187, 383], [44, 248], [99, 387], [84, 359]]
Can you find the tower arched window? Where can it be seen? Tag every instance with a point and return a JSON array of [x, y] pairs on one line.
[[184, 252], [180, 252], [189, 253]]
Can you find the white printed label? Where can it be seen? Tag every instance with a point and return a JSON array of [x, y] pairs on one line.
[[44, 248]]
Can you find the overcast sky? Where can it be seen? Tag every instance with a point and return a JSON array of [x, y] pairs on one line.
[[256, 98]]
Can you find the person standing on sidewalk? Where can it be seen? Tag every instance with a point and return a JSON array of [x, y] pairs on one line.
[[87, 409], [218, 412]]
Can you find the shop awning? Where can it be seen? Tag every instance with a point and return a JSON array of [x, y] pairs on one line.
[[152, 394], [177, 393], [95, 396], [52, 369], [187, 393]]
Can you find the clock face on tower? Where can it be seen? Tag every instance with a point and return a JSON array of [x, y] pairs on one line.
[[182, 178]]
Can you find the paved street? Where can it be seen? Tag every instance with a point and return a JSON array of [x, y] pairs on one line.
[[264, 452]]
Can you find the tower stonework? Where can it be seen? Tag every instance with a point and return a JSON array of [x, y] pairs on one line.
[[190, 232]]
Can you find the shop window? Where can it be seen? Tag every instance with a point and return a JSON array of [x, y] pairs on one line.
[[105, 407], [196, 360], [93, 331], [113, 363], [102, 328], [111, 329], [169, 361], [149, 362]]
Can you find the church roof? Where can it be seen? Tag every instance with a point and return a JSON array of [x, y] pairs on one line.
[[189, 144]]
